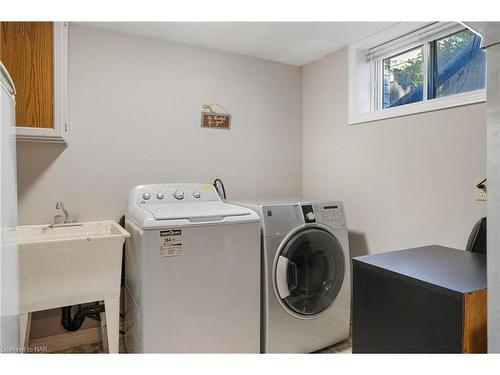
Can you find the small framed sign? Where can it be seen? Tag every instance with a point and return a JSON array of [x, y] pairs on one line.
[[215, 120]]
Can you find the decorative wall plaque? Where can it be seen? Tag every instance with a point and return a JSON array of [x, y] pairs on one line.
[[215, 120]]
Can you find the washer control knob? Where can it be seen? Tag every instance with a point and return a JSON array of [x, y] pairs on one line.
[[160, 195], [146, 196], [179, 194], [310, 216], [196, 194]]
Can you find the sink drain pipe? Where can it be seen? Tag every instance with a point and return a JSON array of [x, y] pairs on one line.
[[74, 323]]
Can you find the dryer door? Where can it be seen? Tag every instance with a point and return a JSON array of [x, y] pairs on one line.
[[309, 271]]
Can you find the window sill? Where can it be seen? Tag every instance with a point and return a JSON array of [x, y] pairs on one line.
[[452, 101]]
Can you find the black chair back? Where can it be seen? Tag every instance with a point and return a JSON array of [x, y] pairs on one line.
[[477, 238]]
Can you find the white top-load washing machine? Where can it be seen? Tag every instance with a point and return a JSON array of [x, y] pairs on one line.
[[305, 275], [192, 272]]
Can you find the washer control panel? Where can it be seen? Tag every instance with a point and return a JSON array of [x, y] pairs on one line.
[[308, 211], [331, 213], [179, 194], [175, 193], [278, 219]]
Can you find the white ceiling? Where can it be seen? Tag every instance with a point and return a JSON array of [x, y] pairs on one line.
[[295, 43]]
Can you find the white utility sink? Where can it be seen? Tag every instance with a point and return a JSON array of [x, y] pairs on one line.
[[68, 265]]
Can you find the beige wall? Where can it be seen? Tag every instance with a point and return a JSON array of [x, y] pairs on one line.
[[405, 181], [134, 115]]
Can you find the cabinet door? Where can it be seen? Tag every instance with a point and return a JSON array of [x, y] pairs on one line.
[[397, 314], [27, 53]]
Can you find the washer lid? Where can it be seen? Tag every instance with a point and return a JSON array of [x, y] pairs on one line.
[[156, 206], [194, 211]]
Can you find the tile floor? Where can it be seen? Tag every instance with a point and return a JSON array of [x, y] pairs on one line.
[[343, 347], [90, 349]]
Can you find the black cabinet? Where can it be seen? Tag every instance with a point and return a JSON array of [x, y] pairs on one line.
[[424, 300]]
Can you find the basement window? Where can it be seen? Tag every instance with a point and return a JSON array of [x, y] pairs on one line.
[[437, 66], [402, 78], [457, 64]]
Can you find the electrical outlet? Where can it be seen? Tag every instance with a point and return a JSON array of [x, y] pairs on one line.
[[480, 194]]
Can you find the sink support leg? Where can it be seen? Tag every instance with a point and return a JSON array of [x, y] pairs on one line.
[[112, 307], [104, 331], [24, 329]]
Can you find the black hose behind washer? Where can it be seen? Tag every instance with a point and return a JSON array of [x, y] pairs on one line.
[[219, 185], [72, 324], [75, 323]]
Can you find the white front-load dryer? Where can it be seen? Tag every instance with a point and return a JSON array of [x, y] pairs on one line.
[[305, 284]]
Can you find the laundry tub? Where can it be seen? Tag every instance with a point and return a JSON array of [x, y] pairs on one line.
[[68, 265]]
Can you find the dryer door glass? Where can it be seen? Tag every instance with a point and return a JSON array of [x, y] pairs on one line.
[[310, 271]]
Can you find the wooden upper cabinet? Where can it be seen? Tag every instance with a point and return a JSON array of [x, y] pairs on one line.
[[27, 53], [35, 54]]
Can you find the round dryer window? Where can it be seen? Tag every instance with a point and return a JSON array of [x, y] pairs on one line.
[[309, 271]]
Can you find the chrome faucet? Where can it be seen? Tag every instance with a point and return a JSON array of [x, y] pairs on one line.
[[67, 222], [60, 206]]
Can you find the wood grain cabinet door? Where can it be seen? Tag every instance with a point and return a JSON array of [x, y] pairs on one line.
[[26, 50]]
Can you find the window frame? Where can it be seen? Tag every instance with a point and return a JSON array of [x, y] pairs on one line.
[[398, 40]]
